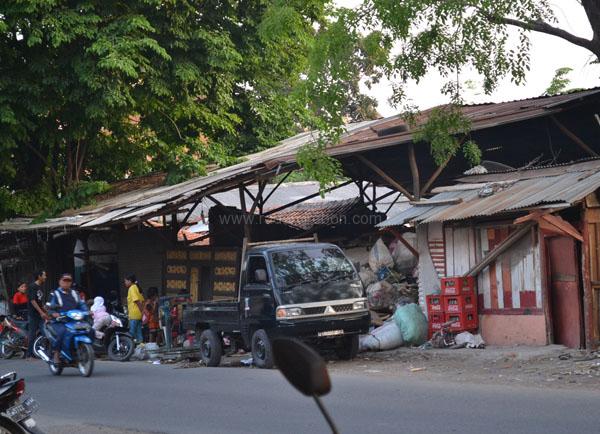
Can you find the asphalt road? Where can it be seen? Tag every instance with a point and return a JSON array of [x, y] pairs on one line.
[[160, 399]]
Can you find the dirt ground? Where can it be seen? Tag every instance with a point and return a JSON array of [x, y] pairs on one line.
[[551, 366]]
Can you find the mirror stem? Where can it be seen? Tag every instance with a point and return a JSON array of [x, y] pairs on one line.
[[326, 415]]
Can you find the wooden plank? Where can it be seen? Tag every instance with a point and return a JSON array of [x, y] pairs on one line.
[[493, 286], [589, 257], [485, 274], [499, 249], [507, 282], [574, 137], [563, 226], [537, 265], [385, 177], [449, 236]]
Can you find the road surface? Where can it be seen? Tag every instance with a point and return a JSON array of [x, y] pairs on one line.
[[141, 397]]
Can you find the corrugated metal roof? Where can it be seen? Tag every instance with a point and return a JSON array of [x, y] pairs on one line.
[[359, 137], [567, 187], [308, 215]]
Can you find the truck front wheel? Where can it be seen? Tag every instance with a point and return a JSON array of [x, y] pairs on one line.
[[348, 348], [262, 351], [211, 348]]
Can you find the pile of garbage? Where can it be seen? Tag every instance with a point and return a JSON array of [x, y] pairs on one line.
[[388, 278], [408, 326]]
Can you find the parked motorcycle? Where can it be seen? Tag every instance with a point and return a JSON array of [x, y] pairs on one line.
[[76, 350], [116, 341], [13, 337], [15, 415]]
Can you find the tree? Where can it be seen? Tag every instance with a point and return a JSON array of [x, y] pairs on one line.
[[92, 91], [560, 82], [414, 37]]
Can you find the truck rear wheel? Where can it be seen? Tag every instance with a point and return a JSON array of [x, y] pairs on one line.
[[211, 348], [348, 348], [262, 351]]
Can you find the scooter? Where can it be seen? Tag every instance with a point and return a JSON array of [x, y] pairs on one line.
[[115, 341], [13, 337], [15, 415], [76, 350]]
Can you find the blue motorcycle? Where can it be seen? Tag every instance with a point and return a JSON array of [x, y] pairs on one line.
[[76, 350]]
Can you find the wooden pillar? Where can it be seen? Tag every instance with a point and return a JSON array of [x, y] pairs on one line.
[[545, 280], [414, 170], [588, 291], [244, 213]]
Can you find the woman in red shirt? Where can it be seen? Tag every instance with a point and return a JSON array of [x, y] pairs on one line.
[[20, 300]]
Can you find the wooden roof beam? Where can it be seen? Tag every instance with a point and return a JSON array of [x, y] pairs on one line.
[[385, 177]]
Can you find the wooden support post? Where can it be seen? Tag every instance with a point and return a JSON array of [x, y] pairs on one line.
[[414, 170], [588, 291], [242, 198], [189, 213], [385, 176], [434, 177], [374, 207], [567, 132], [546, 282]]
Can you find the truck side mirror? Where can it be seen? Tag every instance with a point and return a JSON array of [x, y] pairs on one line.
[[260, 275]]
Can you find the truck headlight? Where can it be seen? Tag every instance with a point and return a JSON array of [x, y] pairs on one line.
[[288, 312], [359, 305]]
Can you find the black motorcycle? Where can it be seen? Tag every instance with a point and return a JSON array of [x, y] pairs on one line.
[[115, 340], [15, 415]]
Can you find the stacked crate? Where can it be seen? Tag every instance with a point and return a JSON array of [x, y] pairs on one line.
[[458, 302]]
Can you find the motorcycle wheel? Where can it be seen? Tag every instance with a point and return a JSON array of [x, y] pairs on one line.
[[6, 350], [41, 343], [85, 359], [123, 351]]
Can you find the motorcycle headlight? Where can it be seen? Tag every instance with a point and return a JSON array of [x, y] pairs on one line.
[[359, 305], [77, 316], [288, 312]]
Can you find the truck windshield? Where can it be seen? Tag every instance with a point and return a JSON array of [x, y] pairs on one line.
[[314, 274]]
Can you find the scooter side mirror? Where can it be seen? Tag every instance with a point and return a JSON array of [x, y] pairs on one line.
[[302, 366]]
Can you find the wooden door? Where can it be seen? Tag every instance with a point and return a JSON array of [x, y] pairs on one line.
[[565, 291]]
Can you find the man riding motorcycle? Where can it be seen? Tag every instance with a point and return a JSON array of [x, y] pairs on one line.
[[62, 300]]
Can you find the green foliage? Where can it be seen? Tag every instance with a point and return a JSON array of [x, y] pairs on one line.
[[488, 37], [96, 90], [77, 196], [443, 131], [560, 82]]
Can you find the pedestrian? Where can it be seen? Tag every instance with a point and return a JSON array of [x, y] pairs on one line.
[[135, 306], [20, 301], [151, 314], [36, 312]]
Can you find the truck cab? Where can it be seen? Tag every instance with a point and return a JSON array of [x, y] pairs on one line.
[[309, 291]]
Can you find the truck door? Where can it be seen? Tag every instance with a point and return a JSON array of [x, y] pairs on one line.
[[257, 301]]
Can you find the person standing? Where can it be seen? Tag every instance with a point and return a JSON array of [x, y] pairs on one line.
[[135, 307], [20, 301], [151, 314], [36, 312]]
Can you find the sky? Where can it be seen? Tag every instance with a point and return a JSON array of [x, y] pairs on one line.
[[548, 53]]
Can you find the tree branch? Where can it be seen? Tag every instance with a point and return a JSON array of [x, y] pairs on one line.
[[543, 27]]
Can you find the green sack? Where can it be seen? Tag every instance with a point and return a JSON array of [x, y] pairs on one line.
[[412, 324]]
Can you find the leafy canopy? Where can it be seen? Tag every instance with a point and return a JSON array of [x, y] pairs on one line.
[[92, 91]]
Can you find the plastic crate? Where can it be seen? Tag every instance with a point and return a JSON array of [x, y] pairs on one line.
[[457, 285], [436, 319], [460, 303], [463, 321], [435, 303]]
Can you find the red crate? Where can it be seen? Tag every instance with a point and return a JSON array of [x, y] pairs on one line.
[[467, 320], [457, 285], [460, 303], [436, 319], [434, 303]]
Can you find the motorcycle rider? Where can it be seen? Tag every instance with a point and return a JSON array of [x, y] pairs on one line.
[[62, 300]]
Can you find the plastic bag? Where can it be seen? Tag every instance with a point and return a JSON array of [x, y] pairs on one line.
[[386, 337], [381, 295], [367, 276], [380, 256], [412, 323], [140, 353]]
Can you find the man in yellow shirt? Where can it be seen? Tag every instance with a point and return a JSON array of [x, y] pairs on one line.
[[135, 303]]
